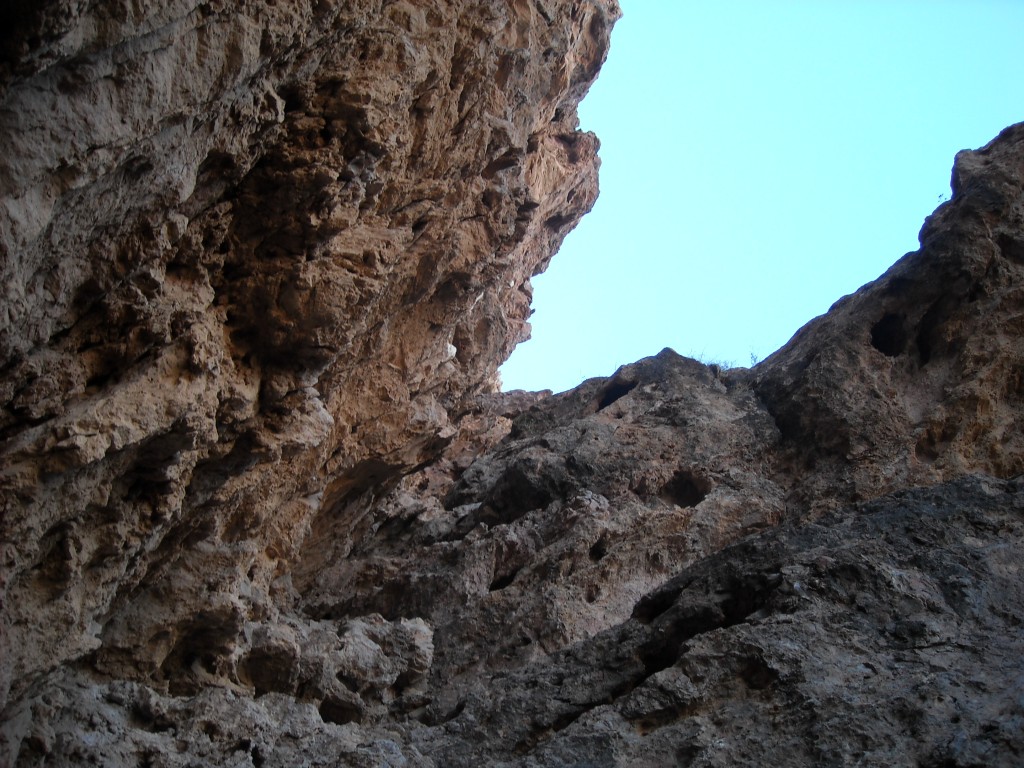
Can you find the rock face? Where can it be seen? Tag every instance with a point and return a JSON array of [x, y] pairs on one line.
[[253, 257], [262, 504]]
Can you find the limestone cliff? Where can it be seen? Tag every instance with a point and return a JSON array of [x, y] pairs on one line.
[[262, 504]]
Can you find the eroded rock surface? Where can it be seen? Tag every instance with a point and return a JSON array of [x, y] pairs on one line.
[[263, 506], [253, 255]]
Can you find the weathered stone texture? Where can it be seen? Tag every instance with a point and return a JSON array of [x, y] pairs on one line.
[[252, 256], [263, 505]]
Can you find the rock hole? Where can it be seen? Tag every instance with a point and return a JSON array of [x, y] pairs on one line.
[[756, 673], [333, 710], [211, 729], [505, 161], [523, 211], [1010, 248], [269, 670], [889, 335], [926, 450], [654, 604], [558, 222], [615, 391], [599, 549], [503, 581], [292, 96], [532, 482], [348, 681], [148, 717], [217, 165], [205, 642], [136, 167], [98, 380], [685, 489], [458, 284]]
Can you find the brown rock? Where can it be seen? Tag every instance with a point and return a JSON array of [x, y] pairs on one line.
[[262, 505], [251, 258], [916, 377]]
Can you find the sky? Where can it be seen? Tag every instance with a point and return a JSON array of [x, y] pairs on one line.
[[760, 161]]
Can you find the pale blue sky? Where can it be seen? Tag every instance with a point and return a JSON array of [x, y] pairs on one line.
[[759, 161]]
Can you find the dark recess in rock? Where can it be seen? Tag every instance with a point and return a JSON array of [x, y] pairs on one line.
[[614, 392], [686, 489], [889, 335]]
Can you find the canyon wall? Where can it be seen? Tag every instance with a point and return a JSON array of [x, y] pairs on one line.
[[263, 503]]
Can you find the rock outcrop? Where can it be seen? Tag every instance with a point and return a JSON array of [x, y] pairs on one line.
[[253, 257], [263, 505]]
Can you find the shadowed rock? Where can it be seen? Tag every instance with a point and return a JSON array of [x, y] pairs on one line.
[[261, 503]]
